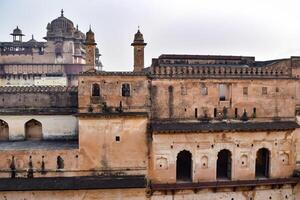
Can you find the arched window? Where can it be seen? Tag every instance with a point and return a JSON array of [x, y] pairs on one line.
[[4, 130], [60, 162], [33, 130], [184, 166], [224, 164], [262, 163], [95, 90]]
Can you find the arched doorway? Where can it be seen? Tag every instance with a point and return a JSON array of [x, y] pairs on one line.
[[224, 164], [262, 163], [4, 130], [33, 130], [184, 166]]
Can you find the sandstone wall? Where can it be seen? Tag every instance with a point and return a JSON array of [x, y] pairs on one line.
[[206, 146]]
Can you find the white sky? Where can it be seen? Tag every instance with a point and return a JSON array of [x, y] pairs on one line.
[[266, 29]]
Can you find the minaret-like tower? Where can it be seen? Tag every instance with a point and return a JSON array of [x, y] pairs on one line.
[[90, 47], [138, 49]]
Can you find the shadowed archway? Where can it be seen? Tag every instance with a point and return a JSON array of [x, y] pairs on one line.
[[262, 163], [224, 165], [184, 166]]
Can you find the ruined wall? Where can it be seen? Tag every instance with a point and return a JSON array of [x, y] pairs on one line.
[[40, 155], [113, 144], [111, 93], [37, 97], [206, 146], [191, 97]]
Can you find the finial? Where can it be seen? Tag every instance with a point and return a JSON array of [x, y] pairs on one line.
[[138, 27], [32, 36], [77, 27], [62, 12], [90, 28], [17, 27]]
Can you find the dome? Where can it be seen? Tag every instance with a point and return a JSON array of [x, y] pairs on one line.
[[32, 40], [61, 24], [17, 31], [138, 39]]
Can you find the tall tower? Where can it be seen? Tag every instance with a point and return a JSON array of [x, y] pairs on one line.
[[90, 47], [138, 49]]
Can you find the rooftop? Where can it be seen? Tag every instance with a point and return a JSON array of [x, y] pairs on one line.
[[184, 127], [38, 144]]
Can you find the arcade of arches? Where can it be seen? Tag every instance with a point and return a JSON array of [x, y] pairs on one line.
[[184, 165]]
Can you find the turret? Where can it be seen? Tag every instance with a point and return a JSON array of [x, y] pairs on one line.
[[138, 51], [17, 35], [90, 46]]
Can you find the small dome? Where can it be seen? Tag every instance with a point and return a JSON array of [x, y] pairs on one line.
[[17, 31], [32, 40], [138, 39], [61, 24]]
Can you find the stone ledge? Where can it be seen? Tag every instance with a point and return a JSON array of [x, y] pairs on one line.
[[224, 184], [72, 183]]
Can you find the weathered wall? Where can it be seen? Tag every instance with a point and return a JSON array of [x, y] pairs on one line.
[[128, 194], [100, 149], [37, 97], [53, 126], [139, 194], [111, 92], [37, 155], [256, 194], [242, 145], [188, 96]]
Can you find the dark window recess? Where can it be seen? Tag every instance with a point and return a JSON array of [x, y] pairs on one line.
[[254, 112], [60, 162], [196, 113], [264, 90], [118, 138], [13, 167], [184, 166], [125, 90], [245, 91], [235, 113], [262, 163], [215, 112], [224, 164], [95, 90]]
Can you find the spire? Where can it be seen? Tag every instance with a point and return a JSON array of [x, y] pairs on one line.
[[90, 28], [77, 27], [62, 12], [32, 37]]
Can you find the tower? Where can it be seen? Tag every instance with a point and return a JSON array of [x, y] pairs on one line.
[[138, 51], [90, 47]]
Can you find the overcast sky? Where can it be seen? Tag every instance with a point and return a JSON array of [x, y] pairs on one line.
[[266, 29]]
